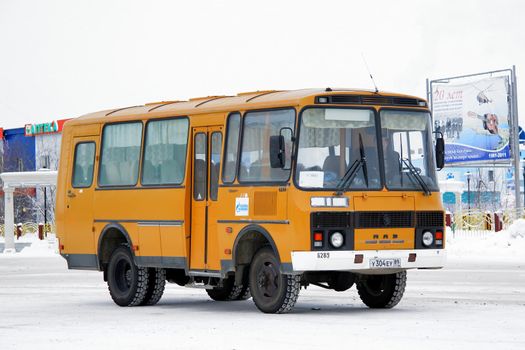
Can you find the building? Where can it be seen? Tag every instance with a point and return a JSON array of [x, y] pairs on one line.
[[32, 147]]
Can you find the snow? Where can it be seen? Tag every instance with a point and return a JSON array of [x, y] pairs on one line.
[[476, 302]]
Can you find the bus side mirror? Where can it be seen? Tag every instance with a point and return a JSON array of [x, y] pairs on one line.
[[440, 153], [277, 151]]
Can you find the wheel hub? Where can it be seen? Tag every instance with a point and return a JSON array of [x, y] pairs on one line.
[[267, 280]]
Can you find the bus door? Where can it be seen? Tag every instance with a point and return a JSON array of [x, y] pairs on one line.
[[207, 145], [79, 196]]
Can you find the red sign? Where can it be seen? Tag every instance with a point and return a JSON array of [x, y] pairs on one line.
[[1, 133], [45, 128]]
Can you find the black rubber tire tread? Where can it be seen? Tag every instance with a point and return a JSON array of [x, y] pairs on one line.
[[228, 291], [245, 293], [391, 295], [290, 285], [156, 285], [138, 290]]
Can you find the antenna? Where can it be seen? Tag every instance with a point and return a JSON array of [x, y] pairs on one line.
[[368, 69]]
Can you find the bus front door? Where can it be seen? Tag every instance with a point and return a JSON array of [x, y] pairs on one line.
[[207, 143]]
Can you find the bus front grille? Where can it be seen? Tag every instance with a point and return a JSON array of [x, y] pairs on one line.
[[430, 219], [371, 219], [331, 220]]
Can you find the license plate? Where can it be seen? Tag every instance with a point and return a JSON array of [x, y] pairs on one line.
[[385, 263]]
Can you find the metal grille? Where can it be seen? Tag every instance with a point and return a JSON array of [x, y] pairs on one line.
[[384, 219], [430, 218], [373, 100], [337, 219]]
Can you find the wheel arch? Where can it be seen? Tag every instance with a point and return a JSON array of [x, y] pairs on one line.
[[250, 239], [113, 235]]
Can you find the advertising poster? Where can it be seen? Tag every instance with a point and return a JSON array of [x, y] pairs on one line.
[[474, 119]]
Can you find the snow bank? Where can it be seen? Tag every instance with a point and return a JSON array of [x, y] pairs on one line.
[[506, 243], [38, 248]]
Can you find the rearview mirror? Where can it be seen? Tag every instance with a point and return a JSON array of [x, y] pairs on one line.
[[277, 151], [440, 153]]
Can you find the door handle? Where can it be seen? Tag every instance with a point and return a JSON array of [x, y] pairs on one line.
[[71, 194]]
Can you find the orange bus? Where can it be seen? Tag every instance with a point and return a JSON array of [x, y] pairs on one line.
[[254, 195]]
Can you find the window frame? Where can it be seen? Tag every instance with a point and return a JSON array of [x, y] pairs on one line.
[[74, 163], [102, 154], [225, 147], [143, 154], [267, 183]]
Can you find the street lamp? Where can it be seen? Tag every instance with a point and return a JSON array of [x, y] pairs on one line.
[[468, 174]]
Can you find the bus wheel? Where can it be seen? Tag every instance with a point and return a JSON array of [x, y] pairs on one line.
[[156, 284], [382, 291], [229, 291], [272, 291], [127, 283]]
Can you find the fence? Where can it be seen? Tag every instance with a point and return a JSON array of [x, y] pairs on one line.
[[29, 228], [480, 223]]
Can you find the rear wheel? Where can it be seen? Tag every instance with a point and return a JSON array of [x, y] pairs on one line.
[[272, 291], [156, 284], [382, 291], [127, 283], [228, 291]]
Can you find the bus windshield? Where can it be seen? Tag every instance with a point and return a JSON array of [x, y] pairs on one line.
[[407, 149], [333, 141]]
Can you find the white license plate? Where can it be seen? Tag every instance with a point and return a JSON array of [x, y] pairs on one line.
[[385, 263]]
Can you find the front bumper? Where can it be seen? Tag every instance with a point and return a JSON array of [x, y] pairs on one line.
[[346, 260]]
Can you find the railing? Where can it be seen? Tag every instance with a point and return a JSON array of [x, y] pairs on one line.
[[478, 223], [29, 228]]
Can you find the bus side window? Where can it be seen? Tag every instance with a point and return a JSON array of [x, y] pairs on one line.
[[200, 167], [216, 144], [165, 152], [231, 148], [83, 165], [119, 162]]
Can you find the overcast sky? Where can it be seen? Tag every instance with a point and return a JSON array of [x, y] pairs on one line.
[[64, 58]]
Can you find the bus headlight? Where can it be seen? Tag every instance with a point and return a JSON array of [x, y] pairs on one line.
[[428, 238], [336, 239]]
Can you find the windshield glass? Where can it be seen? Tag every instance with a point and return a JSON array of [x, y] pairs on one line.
[[407, 149], [331, 140]]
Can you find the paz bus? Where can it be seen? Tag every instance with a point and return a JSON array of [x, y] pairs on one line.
[[254, 195]]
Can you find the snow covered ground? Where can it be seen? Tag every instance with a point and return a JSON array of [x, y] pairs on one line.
[[476, 302]]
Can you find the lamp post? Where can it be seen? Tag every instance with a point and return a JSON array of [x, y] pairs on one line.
[[468, 174]]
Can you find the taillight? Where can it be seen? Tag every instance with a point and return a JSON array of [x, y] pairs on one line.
[[318, 239]]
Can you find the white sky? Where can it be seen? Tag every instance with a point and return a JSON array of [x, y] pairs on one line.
[[61, 59]]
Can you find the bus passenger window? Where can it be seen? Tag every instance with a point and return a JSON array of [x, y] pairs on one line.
[[216, 143], [200, 167], [83, 165], [232, 148], [119, 164], [255, 157], [165, 152]]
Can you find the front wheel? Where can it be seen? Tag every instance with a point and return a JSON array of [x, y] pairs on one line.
[[272, 291], [382, 291], [127, 283]]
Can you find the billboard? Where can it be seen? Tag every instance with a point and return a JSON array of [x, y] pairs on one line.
[[474, 119]]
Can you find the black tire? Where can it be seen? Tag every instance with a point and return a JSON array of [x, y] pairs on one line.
[[382, 291], [245, 292], [228, 292], [156, 285], [272, 291], [127, 282]]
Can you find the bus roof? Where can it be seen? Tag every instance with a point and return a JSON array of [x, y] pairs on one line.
[[211, 104]]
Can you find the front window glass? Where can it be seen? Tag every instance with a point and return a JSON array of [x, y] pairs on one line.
[[255, 154], [334, 141], [407, 148]]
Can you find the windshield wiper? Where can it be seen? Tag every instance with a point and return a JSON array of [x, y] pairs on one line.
[[416, 175], [352, 171]]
